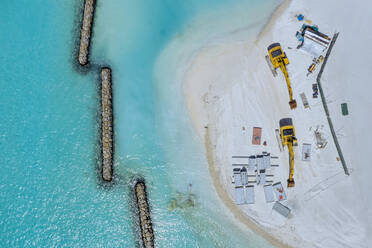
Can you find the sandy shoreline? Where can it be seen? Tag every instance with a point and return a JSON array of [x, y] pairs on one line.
[[224, 196], [274, 16], [210, 150]]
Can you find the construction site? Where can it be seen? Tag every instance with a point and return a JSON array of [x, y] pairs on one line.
[[270, 132], [257, 170]]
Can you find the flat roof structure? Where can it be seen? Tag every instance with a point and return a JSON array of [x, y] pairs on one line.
[[262, 177], [269, 194], [251, 163], [260, 162], [249, 190], [244, 176], [239, 195], [266, 161], [237, 177]]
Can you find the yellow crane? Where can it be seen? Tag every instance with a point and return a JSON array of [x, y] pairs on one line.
[[289, 139], [279, 59]]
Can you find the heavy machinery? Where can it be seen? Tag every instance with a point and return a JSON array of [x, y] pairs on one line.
[[278, 58], [287, 134]]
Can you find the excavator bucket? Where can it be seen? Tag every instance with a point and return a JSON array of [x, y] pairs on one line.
[[291, 183], [293, 104]]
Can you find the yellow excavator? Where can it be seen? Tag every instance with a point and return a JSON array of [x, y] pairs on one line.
[[278, 58], [289, 139]]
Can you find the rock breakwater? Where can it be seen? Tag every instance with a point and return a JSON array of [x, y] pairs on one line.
[[86, 31], [106, 124], [144, 215]]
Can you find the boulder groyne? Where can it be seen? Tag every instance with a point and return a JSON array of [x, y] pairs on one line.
[[86, 31], [144, 215], [106, 124]]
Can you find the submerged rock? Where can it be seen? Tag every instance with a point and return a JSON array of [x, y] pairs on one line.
[[182, 200]]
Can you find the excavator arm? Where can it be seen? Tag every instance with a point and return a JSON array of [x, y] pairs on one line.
[[287, 134], [291, 182], [292, 102], [278, 58]]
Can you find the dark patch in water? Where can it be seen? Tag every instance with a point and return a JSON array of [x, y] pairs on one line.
[[183, 200]]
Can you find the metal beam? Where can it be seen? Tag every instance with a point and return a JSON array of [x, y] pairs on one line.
[[338, 147]]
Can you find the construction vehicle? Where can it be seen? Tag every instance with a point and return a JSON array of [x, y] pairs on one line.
[[278, 58], [320, 59], [287, 134], [311, 69]]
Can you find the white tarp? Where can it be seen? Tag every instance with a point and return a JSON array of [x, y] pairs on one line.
[[269, 194], [279, 191], [306, 152], [249, 190], [312, 48], [239, 195], [237, 177]]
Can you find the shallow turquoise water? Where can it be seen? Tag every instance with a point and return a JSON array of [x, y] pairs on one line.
[[50, 194]]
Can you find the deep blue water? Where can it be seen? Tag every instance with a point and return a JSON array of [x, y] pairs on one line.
[[50, 193]]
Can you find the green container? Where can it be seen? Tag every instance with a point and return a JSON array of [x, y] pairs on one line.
[[344, 109]]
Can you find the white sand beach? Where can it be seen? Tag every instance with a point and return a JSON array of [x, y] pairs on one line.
[[230, 89]]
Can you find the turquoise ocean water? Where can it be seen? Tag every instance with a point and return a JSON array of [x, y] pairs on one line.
[[50, 194]]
